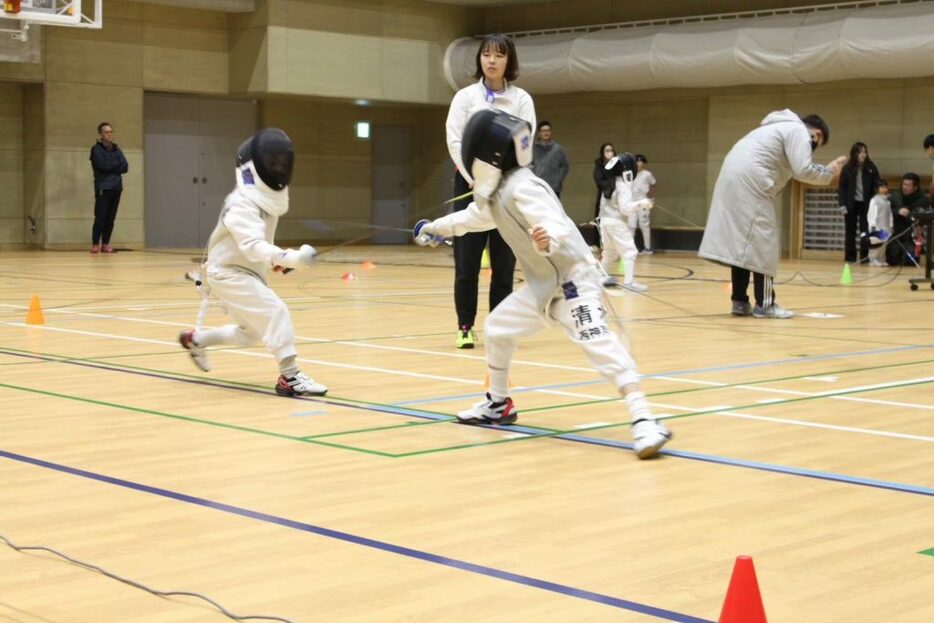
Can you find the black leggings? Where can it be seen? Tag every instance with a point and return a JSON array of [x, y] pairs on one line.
[[106, 203], [762, 286], [468, 251], [855, 222]]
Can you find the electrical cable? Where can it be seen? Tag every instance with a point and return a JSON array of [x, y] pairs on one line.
[[133, 583]]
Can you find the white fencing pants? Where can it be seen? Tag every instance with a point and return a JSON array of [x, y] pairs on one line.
[[618, 243], [260, 314], [641, 218], [584, 319]]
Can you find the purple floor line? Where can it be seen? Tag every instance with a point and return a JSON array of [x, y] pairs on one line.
[[454, 563]]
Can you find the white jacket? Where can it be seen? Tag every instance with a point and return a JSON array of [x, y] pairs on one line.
[[476, 97], [522, 202], [742, 229], [879, 216], [246, 228], [621, 204]]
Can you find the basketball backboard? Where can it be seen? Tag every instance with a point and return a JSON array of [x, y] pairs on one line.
[[16, 16]]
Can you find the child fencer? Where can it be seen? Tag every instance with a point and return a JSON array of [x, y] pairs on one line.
[[879, 219], [615, 213], [563, 280], [241, 253]]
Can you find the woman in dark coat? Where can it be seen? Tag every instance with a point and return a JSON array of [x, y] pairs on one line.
[[857, 186]]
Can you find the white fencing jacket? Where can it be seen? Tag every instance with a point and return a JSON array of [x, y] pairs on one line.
[[244, 234], [522, 202], [476, 97]]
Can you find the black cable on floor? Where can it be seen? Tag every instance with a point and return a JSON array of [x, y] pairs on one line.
[[220, 608]]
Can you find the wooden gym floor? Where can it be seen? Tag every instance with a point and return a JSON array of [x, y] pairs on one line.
[[804, 443]]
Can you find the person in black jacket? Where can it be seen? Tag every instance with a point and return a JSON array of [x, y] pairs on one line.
[[108, 164], [857, 186], [905, 205], [605, 180]]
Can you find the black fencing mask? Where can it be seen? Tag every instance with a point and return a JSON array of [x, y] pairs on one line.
[[272, 154]]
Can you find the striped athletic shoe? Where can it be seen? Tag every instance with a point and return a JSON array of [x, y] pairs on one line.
[[299, 385], [489, 412]]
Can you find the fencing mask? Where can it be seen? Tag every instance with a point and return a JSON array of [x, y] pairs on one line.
[[272, 154], [494, 142], [622, 165]]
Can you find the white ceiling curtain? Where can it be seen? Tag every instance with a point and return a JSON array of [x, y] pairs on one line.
[[895, 41]]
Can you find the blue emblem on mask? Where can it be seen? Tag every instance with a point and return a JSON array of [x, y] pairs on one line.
[[525, 142], [570, 290], [248, 177]]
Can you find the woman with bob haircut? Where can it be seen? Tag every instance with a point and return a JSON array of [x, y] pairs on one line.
[[497, 66]]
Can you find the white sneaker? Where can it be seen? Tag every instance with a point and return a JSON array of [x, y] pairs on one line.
[[648, 436], [198, 354], [635, 286], [772, 311], [488, 412], [299, 385]]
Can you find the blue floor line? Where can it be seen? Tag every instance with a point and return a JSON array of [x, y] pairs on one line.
[[767, 467], [720, 460], [740, 366], [583, 439], [400, 550]]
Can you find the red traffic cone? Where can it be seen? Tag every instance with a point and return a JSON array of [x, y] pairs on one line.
[[743, 603]]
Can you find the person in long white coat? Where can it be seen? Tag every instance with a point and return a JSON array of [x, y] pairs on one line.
[[241, 253], [563, 280], [742, 228]]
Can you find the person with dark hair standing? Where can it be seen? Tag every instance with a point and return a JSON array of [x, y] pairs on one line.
[[108, 164], [904, 203], [550, 162], [742, 230], [496, 67], [857, 185], [604, 179]]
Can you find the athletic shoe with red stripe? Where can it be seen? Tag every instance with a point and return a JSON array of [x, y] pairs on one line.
[[489, 412]]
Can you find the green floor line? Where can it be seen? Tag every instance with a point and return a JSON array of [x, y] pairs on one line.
[[215, 382], [193, 420], [583, 431], [374, 429], [674, 392], [607, 400], [479, 444], [447, 420]]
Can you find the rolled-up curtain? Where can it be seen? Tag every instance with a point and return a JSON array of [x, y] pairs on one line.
[[878, 42]]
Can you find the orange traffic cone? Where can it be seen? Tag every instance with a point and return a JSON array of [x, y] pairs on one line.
[[743, 603], [367, 265], [34, 315]]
